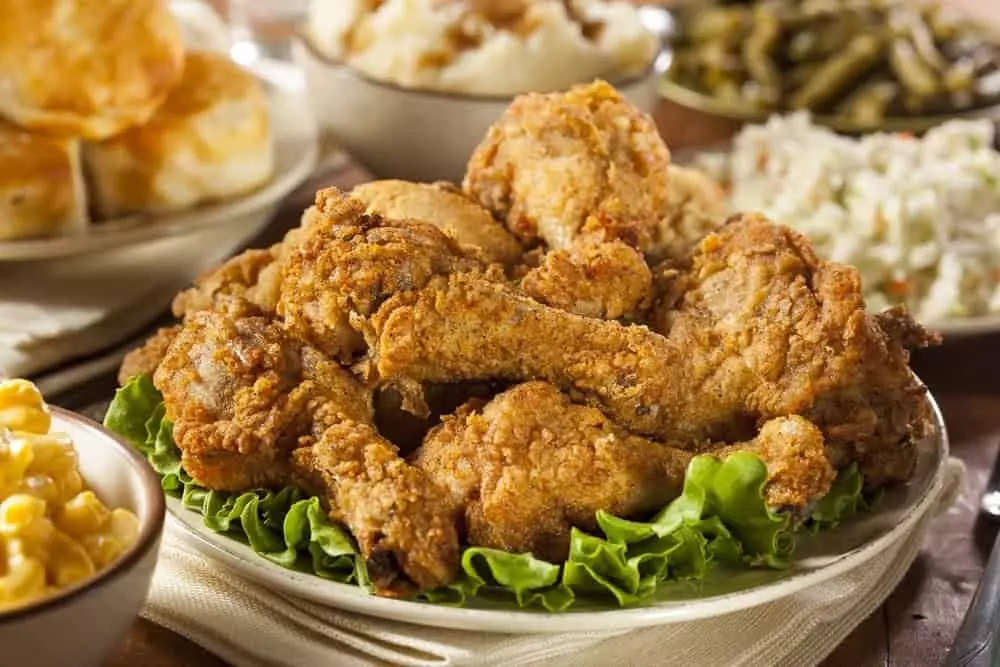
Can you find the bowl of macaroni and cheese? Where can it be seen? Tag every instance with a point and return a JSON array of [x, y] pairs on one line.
[[81, 515], [410, 88]]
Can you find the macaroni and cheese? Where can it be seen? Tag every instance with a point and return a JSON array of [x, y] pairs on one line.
[[53, 531]]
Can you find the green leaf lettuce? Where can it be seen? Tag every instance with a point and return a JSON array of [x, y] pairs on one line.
[[720, 517]]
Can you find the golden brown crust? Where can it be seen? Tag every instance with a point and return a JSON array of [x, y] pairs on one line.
[[559, 164], [41, 184], [146, 359], [253, 408], [530, 465], [403, 522], [444, 208], [696, 205], [762, 329], [210, 139], [799, 471], [349, 262], [593, 278], [87, 68]]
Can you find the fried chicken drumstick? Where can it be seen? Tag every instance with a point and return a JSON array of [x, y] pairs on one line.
[[530, 465], [253, 408]]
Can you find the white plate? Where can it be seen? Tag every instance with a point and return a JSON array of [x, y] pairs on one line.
[[296, 154], [818, 559]]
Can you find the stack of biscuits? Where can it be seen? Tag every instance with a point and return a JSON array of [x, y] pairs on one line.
[[104, 113]]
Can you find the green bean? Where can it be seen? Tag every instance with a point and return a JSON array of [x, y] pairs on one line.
[[759, 47], [717, 23], [811, 54], [800, 75], [923, 41], [863, 52], [916, 76], [961, 76], [869, 104]]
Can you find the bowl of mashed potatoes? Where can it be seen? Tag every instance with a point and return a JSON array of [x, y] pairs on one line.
[[410, 87], [81, 515]]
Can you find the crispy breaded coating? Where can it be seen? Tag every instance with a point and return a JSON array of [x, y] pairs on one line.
[[761, 329], [403, 522], [253, 275], [559, 165], [254, 408], [696, 206], [767, 319], [144, 360], [236, 277], [530, 465], [437, 204], [593, 278], [348, 262], [240, 393], [799, 471]]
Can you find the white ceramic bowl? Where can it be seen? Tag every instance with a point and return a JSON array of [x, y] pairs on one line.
[[415, 135], [83, 624]]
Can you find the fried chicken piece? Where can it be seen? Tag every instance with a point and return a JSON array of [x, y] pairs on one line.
[[559, 165], [799, 471], [768, 319], [144, 360], [696, 206], [348, 262], [253, 408], [761, 329], [236, 277], [241, 393], [403, 522], [254, 276], [531, 465], [609, 280], [437, 204]]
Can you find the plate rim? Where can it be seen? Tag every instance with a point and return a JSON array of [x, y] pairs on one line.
[[353, 599], [145, 227]]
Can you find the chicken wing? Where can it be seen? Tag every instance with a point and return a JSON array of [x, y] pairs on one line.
[[761, 328], [468, 222], [531, 465], [253, 408]]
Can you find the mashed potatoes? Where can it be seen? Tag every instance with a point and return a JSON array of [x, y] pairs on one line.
[[484, 47]]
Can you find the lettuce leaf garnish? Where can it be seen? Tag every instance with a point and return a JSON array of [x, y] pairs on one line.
[[720, 518]]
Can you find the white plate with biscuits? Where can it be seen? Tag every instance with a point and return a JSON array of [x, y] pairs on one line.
[[295, 154]]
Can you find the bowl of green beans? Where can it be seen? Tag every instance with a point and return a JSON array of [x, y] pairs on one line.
[[855, 65]]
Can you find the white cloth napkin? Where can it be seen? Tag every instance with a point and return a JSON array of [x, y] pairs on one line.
[[250, 626], [54, 310]]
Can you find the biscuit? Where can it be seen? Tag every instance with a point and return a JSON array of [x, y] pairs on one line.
[[41, 185], [87, 68], [211, 139]]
